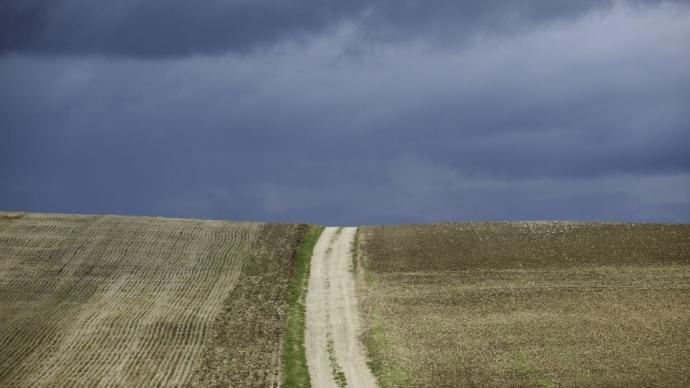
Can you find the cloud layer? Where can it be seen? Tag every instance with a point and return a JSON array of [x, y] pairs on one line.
[[375, 112], [153, 28]]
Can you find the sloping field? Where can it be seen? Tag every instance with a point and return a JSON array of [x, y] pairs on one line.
[[527, 304], [112, 301]]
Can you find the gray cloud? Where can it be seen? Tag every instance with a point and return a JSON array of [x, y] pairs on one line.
[[152, 28], [585, 117]]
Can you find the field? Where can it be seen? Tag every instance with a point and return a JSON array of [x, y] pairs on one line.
[[112, 301], [526, 304]]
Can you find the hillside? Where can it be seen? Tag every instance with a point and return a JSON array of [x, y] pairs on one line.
[[102, 300], [527, 304], [137, 301]]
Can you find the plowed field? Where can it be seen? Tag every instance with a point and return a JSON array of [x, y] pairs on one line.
[[112, 301]]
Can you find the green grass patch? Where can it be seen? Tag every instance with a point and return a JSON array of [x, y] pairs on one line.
[[525, 367], [336, 370], [378, 345], [354, 250], [295, 370]]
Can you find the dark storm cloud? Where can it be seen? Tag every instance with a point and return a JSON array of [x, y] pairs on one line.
[[156, 27], [153, 28], [575, 115]]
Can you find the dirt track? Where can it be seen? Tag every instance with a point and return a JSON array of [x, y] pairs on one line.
[[334, 352]]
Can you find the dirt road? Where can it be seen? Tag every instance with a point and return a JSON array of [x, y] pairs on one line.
[[334, 353]]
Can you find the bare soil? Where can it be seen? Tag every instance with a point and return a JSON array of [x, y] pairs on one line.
[[527, 304]]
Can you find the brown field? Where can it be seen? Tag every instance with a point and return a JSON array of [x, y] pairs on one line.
[[527, 304], [112, 301]]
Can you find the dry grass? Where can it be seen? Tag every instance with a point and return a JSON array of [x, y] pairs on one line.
[[528, 304], [97, 300]]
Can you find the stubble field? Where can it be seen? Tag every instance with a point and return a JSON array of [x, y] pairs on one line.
[[526, 304], [113, 301]]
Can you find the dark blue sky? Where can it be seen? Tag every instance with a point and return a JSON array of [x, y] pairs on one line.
[[358, 112]]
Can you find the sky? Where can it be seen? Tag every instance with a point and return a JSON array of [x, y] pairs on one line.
[[347, 112]]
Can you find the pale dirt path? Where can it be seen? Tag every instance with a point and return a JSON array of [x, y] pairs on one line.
[[332, 328]]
